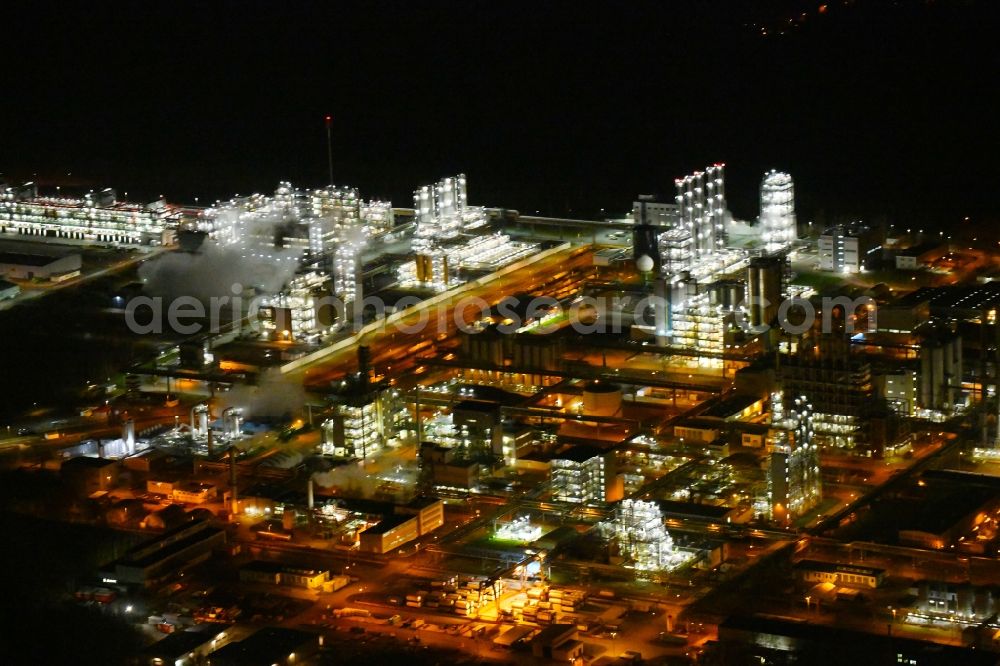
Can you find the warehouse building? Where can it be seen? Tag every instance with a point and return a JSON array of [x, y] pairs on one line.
[[32, 266], [174, 550]]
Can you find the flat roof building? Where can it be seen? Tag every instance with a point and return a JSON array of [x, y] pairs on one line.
[[96, 216], [180, 547], [34, 266], [271, 646]]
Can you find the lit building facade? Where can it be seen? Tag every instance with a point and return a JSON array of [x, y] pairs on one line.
[[777, 211], [846, 248], [701, 204], [329, 225], [442, 212], [835, 381], [97, 216], [302, 309], [584, 475], [794, 481], [359, 428], [642, 538], [451, 236]]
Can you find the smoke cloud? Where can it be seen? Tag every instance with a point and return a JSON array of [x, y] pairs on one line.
[[214, 270], [273, 396], [348, 480]]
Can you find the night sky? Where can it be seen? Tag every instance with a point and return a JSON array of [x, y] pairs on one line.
[[877, 109]]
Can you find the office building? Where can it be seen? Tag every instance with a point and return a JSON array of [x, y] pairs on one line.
[[647, 210]]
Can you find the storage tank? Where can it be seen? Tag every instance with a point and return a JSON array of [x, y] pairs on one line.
[[601, 398]]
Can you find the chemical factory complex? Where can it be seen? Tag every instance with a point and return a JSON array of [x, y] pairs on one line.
[[350, 427]]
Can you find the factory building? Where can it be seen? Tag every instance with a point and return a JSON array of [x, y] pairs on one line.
[[35, 266], [402, 523], [363, 418], [329, 225], [96, 216], [642, 539], [440, 266], [701, 204], [275, 573], [479, 430], [442, 466], [778, 229], [940, 369], [703, 326], [900, 390], [185, 648], [841, 575], [303, 309], [270, 646], [451, 237], [180, 547], [766, 280], [90, 475], [847, 248], [793, 480], [585, 474], [442, 212], [358, 428], [837, 383]]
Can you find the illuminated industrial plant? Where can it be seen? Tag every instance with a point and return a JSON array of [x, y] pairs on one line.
[[794, 484], [451, 237], [97, 216], [519, 529], [701, 203], [642, 539], [443, 213], [777, 211], [327, 227], [299, 310]]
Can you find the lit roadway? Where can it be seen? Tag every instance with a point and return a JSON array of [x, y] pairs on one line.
[[37, 290], [396, 352]]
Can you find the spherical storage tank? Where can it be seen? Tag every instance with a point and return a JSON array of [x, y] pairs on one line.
[[601, 398]]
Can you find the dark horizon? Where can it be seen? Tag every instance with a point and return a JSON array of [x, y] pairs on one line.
[[876, 110]]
